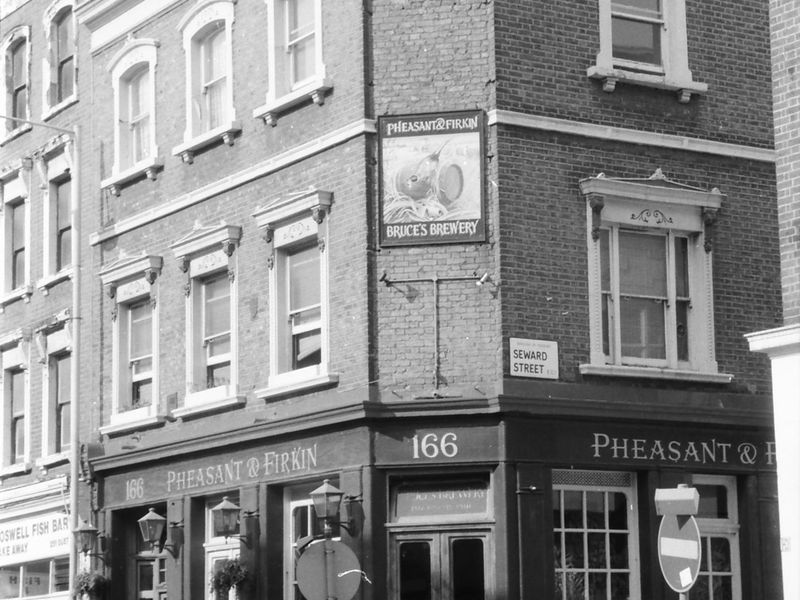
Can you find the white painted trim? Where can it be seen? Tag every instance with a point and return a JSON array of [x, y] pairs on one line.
[[280, 161], [631, 136], [775, 342], [105, 29], [654, 373]]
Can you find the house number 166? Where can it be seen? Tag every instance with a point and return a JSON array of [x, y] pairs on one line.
[[431, 445]]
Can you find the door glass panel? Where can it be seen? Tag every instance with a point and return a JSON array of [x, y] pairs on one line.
[[415, 571], [466, 574]]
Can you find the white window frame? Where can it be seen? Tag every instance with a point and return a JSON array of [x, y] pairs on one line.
[[14, 356], [208, 252], [608, 482], [726, 528], [11, 129], [52, 13], [659, 205], [674, 73], [58, 170], [129, 281], [283, 92], [134, 57], [14, 188], [195, 27], [289, 223], [54, 343]]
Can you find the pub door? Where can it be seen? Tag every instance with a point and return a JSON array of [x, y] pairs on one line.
[[440, 565]]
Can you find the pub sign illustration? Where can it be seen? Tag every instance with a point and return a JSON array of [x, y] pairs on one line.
[[432, 179]]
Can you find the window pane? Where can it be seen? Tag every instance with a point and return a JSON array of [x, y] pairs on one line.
[[37, 578], [681, 267], [713, 501], [642, 328], [60, 574], [17, 392], [20, 106], [605, 277], [18, 436], [145, 576], [62, 400], [301, 18], [18, 226], [141, 316], [303, 59], [306, 349], [467, 569], [650, 7], [65, 79], [18, 71], [720, 555], [642, 264], [142, 394], [9, 582], [217, 293], [636, 40], [618, 511], [217, 375], [415, 571], [64, 35], [63, 204], [304, 278], [573, 510], [595, 510]]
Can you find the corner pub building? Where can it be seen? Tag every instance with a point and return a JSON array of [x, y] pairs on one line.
[[486, 267]]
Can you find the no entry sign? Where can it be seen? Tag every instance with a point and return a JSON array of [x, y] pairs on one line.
[[679, 551]]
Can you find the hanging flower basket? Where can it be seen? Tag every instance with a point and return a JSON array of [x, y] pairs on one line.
[[231, 574], [91, 585]]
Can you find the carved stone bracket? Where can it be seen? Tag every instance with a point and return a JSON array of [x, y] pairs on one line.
[[227, 137], [709, 219], [318, 214], [115, 189], [596, 203], [150, 275], [183, 264], [684, 96], [111, 290], [267, 234], [228, 246], [187, 157]]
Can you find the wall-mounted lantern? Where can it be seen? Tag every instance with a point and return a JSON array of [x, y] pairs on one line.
[[152, 527], [85, 536], [225, 519]]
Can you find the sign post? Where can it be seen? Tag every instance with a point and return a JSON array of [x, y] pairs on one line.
[[679, 544]]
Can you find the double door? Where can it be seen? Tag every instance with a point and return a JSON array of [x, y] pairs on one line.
[[441, 565]]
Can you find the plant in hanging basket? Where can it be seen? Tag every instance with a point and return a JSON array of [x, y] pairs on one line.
[[92, 584], [229, 574]]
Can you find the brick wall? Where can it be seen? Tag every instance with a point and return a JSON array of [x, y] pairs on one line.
[[544, 48], [785, 22]]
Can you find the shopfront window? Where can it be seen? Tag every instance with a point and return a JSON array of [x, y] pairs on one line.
[[594, 536], [219, 549], [32, 579]]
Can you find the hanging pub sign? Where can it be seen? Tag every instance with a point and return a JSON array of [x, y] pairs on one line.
[[432, 179]]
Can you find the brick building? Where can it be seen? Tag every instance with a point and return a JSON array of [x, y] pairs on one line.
[[782, 344], [484, 267], [39, 299]]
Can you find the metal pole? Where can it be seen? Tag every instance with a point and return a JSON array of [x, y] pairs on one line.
[[75, 317]]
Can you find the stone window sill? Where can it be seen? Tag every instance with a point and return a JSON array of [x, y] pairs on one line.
[[21, 293], [15, 469], [654, 373], [16, 132], [286, 384], [123, 422], [208, 401], [314, 91], [189, 148], [610, 78], [45, 283], [52, 111], [149, 167], [52, 460]]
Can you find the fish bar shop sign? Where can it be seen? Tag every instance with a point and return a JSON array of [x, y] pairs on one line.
[[42, 536]]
